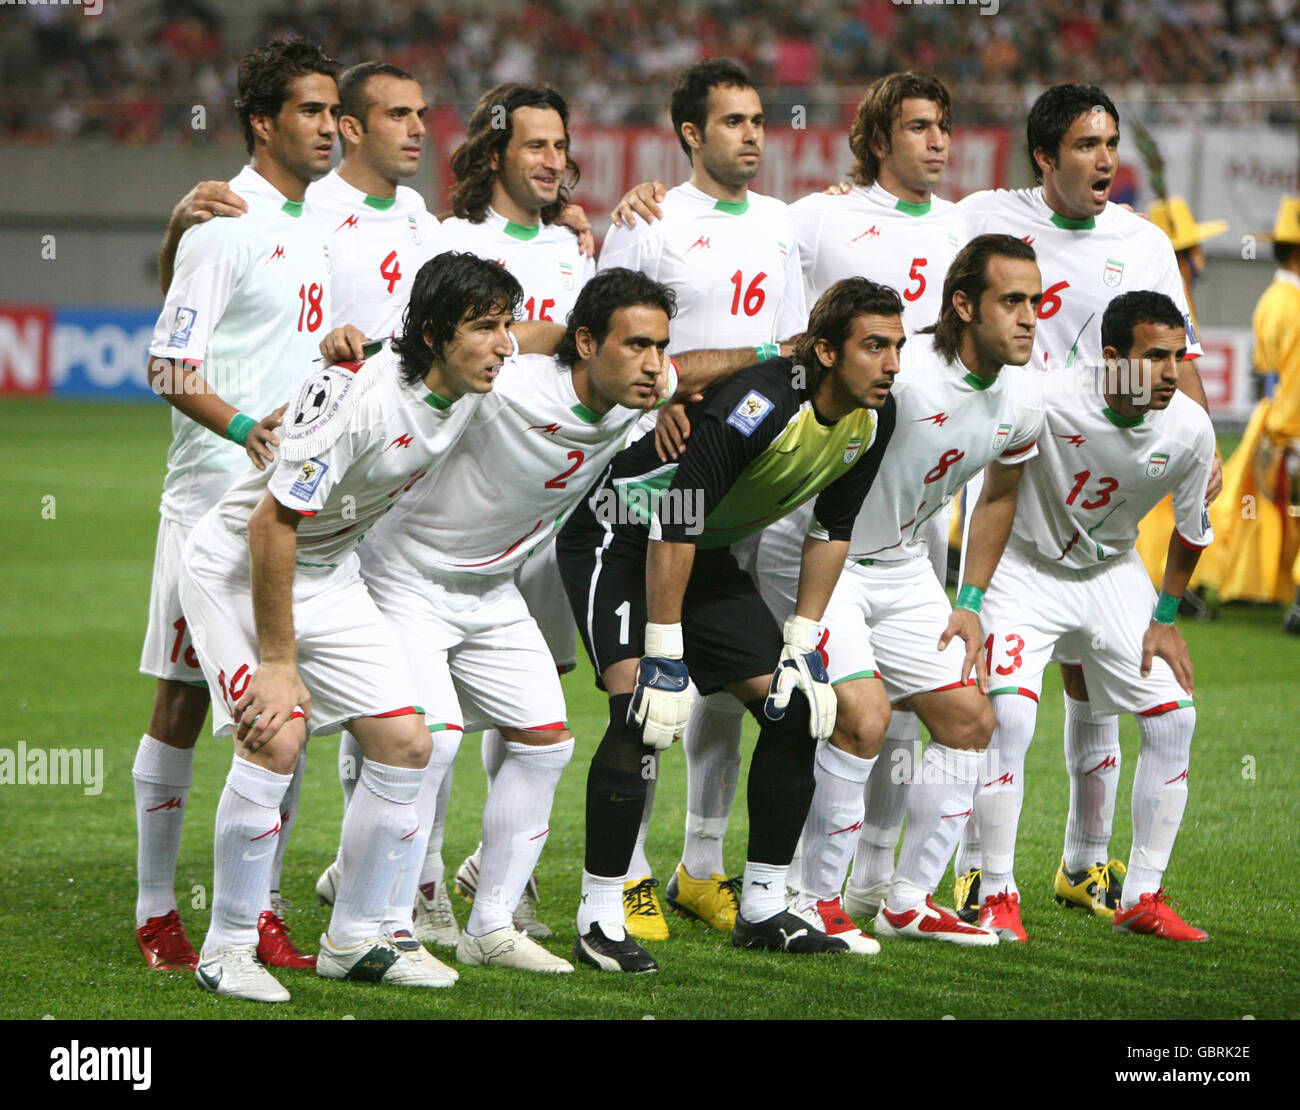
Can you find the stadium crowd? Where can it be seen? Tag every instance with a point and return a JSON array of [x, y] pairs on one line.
[[134, 72]]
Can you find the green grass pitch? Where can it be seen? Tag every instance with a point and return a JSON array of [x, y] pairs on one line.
[[78, 506]]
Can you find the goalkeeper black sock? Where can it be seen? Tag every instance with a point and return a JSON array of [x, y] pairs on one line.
[[781, 783], [616, 790]]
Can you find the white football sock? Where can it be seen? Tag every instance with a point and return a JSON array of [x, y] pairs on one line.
[[968, 856], [377, 834], [763, 893], [516, 821], [1092, 759], [1159, 798], [248, 823], [886, 801], [493, 748], [162, 776], [1001, 790], [401, 902], [833, 822], [602, 903], [442, 768], [712, 746], [288, 813], [639, 866], [938, 803]]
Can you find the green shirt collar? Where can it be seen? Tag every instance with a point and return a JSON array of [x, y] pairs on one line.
[[435, 402], [908, 208], [1073, 225], [976, 382], [731, 207], [1122, 421], [292, 208], [381, 204], [586, 415], [521, 232]]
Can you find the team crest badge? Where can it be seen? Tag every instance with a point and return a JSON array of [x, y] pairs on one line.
[[1001, 436], [329, 269], [566, 275], [181, 329], [308, 478], [1113, 274], [415, 229], [783, 249], [749, 414], [1156, 465], [851, 451]]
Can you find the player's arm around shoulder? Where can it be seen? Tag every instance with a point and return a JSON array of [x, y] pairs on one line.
[[633, 248]]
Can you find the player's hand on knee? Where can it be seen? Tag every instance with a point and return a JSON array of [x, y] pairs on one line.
[[803, 668], [661, 701], [965, 624], [574, 217], [205, 200], [345, 344], [274, 692], [1167, 642], [261, 438], [642, 200]]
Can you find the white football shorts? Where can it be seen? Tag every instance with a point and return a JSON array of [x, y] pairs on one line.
[[348, 654], [168, 649], [542, 588], [1035, 612]]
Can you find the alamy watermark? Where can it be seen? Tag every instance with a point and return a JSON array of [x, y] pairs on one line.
[[26, 766], [88, 7], [986, 7]]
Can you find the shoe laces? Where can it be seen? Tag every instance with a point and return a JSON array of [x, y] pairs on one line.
[[272, 922], [1000, 901], [733, 886], [642, 898]]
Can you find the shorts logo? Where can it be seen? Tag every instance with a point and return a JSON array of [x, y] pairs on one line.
[[851, 451], [566, 275], [1113, 273], [1205, 519], [1001, 436], [309, 475], [749, 414], [1156, 465], [181, 329], [1190, 328]]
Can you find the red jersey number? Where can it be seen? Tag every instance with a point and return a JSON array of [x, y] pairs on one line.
[[915, 274], [543, 313], [1100, 496], [310, 312], [390, 270], [1050, 305], [559, 482], [754, 297]]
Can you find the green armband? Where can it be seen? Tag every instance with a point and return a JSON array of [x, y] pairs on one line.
[[240, 426], [766, 351], [1166, 609], [970, 597]]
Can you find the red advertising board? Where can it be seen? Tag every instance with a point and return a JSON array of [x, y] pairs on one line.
[[26, 342]]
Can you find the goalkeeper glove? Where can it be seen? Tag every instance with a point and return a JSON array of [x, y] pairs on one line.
[[802, 668], [661, 702]]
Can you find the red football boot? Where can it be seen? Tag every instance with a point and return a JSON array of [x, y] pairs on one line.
[[165, 945], [274, 948]]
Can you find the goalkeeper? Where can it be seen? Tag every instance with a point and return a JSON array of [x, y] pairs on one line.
[[655, 615]]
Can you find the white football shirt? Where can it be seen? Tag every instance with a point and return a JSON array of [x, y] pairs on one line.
[[1098, 474], [1085, 265], [377, 245], [869, 232], [528, 456], [248, 304], [544, 259], [733, 265], [393, 436]]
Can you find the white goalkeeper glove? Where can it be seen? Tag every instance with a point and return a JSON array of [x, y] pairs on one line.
[[661, 702], [801, 668]]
